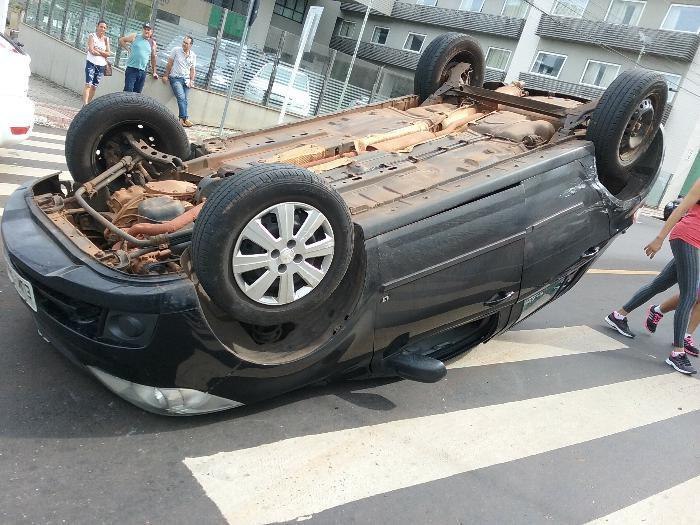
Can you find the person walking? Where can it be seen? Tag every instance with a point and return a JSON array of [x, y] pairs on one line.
[[180, 72], [684, 269], [142, 49], [96, 59], [656, 312]]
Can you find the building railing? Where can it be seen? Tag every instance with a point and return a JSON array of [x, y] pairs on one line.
[[659, 42], [553, 85], [469, 21], [392, 56]]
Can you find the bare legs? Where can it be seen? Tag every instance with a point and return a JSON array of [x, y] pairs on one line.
[[88, 93]]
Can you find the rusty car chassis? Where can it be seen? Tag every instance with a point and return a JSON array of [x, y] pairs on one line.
[[375, 157]]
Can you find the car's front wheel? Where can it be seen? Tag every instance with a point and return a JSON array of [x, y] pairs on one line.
[[272, 243]]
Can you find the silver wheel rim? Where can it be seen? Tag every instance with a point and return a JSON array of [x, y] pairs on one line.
[[637, 132], [283, 253]]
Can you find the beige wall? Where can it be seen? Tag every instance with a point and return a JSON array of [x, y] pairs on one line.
[[64, 65], [194, 10]]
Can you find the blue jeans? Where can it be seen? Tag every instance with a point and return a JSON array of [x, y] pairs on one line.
[[134, 79], [180, 90]]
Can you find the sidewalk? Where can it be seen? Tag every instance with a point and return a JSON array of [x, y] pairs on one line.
[[56, 106]]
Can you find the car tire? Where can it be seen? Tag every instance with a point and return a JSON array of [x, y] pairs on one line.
[[440, 56], [249, 205], [624, 124], [95, 138]]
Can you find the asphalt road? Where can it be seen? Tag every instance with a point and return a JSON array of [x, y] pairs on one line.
[[559, 421]]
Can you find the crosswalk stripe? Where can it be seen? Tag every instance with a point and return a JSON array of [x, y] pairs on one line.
[[7, 189], [668, 507], [43, 144], [50, 136], [32, 155], [25, 171], [302, 476], [524, 345]]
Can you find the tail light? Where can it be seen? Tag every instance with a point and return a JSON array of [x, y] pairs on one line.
[[19, 130]]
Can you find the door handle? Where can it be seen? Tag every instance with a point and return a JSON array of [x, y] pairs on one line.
[[499, 298], [590, 252]]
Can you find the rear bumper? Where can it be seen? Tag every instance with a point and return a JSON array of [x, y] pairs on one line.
[[16, 120]]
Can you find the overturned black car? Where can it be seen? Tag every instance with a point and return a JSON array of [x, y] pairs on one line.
[[381, 240]]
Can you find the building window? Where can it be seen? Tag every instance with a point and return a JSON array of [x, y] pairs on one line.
[[673, 81], [414, 42], [548, 64], [515, 8], [627, 12], [431, 3], [682, 18], [292, 9], [347, 29], [379, 35], [599, 74], [572, 8], [471, 5], [497, 58]]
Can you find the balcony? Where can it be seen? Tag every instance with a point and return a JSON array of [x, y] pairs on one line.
[[468, 21], [553, 85], [386, 55], [660, 42]]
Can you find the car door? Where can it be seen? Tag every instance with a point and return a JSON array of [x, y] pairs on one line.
[[458, 265], [567, 221]]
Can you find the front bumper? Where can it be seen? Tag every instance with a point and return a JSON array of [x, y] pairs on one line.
[[146, 340]]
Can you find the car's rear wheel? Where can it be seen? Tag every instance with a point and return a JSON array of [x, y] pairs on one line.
[[97, 137], [272, 243], [625, 123], [441, 56]]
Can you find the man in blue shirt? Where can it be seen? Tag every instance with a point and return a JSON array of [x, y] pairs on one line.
[[142, 49]]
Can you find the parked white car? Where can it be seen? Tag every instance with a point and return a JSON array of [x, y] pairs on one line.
[[16, 110], [299, 96]]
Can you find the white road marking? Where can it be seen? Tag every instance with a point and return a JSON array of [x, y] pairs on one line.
[[306, 475], [670, 507], [7, 189], [43, 144], [622, 272], [51, 136], [524, 345], [32, 155], [25, 171]]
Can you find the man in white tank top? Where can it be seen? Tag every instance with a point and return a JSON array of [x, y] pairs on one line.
[[96, 60]]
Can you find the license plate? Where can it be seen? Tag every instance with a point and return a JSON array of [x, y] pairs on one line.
[[23, 287]]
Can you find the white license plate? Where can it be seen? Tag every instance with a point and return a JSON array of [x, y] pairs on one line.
[[23, 287]]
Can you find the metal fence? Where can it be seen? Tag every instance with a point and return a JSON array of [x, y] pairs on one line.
[[263, 76]]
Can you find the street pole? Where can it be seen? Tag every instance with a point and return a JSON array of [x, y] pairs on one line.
[[3, 13], [368, 8], [49, 23], [251, 5], [78, 42], [215, 52], [66, 11]]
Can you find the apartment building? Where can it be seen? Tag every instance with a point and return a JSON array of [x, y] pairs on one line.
[[576, 47]]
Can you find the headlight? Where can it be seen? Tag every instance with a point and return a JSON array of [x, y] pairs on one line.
[[165, 401]]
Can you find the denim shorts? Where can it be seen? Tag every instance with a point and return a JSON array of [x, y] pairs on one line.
[[93, 73]]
